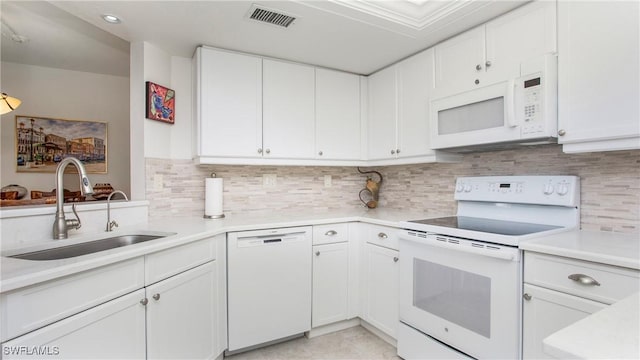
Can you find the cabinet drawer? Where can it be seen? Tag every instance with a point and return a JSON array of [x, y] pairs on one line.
[[35, 306], [553, 272], [383, 236], [167, 263], [329, 234]]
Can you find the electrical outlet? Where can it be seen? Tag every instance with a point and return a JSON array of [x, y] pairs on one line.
[[158, 182], [327, 181], [269, 180]]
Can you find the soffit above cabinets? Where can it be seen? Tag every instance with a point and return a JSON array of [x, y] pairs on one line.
[[355, 36]]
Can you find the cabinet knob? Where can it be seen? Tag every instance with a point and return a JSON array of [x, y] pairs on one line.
[[156, 297], [526, 296], [395, 259], [393, 152], [561, 132], [477, 82], [331, 233], [478, 67], [259, 150], [320, 153], [144, 302], [382, 235], [487, 64], [584, 279], [317, 253], [397, 151], [268, 151]]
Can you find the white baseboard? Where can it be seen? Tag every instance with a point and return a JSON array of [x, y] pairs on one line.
[[330, 328], [379, 333]]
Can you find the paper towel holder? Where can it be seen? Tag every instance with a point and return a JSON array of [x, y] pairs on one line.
[[213, 216]]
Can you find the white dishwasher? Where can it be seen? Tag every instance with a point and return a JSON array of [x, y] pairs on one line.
[[269, 285]]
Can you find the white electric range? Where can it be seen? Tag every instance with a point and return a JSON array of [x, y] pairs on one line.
[[461, 276]]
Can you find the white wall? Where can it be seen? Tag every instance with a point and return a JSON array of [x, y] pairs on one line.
[[154, 139], [65, 94]]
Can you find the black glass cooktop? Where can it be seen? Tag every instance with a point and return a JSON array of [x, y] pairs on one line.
[[500, 227]]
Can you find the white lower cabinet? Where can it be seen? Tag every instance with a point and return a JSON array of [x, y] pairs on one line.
[[548, 311], [115, 330], [559, 291], [330, 283], [181, 315], [381, 287]]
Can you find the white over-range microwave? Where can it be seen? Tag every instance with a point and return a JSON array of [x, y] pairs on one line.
[[519, 111]]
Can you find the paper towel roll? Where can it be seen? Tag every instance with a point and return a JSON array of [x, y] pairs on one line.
[[213, 198]]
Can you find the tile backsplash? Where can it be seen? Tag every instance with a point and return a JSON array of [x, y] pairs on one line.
[[610, 185]]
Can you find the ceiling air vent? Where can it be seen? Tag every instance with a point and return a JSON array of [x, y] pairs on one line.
[[270, 16]]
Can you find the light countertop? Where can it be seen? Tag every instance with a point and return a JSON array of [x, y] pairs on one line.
[[17, 273], [611, 333], [602, 247]]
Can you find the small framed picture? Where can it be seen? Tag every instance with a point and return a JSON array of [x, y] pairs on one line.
[[161, 103]]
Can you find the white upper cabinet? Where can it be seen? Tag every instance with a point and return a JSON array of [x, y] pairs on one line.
[[382, 114], [598, 88], [415, 84], [494, 51], [288, 110], [337, 115], [398, 128], [459, 62], [228, 104]]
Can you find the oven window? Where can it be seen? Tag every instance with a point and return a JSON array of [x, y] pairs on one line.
[[462, 297], [485, 114]]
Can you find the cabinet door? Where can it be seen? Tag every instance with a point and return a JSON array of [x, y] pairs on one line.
[[521, 35], [383, 114], [415, 84], [598, 87], [289, 114], [337, 115], [381, 288], [229, 104], [113, 330], [547, 312], [459, 62], [181, 315], [330, 283]]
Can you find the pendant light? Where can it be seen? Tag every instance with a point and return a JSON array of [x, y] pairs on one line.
[[8, 103]]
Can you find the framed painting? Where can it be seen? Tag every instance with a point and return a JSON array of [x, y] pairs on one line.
[[161, 103], [41, 143]]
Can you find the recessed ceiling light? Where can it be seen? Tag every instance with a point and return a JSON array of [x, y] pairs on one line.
[[112, 19]]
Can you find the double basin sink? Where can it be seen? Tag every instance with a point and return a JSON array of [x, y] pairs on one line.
[[90, 247]]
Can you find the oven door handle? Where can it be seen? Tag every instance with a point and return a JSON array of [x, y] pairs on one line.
[[494, 253]]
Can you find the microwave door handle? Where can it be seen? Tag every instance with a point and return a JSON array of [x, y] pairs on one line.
[[510, 98]]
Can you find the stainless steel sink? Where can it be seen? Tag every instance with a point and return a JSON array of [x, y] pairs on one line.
[[90, 247]]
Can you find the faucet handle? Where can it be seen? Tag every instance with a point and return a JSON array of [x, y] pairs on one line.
[[74, 223], [111, 225]]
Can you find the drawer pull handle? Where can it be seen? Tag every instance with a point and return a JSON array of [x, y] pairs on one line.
[[156, 297], [395, 259], [526, 296], [317, 253], [584, 279], [144, 301], [382, 235], [331, 233]]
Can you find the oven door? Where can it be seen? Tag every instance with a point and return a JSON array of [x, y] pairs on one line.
[[464, 293]]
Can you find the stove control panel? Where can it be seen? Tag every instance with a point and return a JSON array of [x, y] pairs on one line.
[[542, 190]]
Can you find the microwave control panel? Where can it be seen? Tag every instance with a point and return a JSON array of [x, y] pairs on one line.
[[532, 106]]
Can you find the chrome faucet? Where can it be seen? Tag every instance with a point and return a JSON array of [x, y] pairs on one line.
[[60, 224], [111, 224]]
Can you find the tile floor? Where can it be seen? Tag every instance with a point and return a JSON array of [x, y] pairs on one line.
[[353, 343]]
